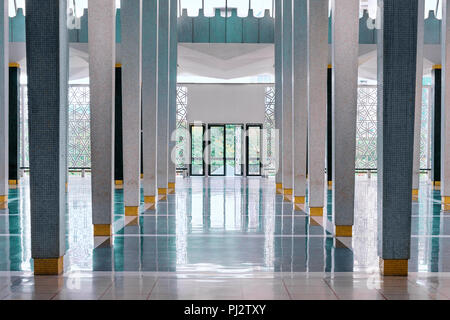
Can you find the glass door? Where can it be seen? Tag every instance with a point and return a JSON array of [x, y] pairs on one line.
[[253, 144], [216, 150], [197, 166], [233, 149]]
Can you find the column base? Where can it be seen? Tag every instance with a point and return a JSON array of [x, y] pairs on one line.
[[119, 182], [131, 211], [394, 267], [299, 200], [49, 267], [3, 202], [102, 230], [13, 182], [415, 194], [171, 188], [279, 188], [343, 231], [287, 194], [162, 194], [316, 212], [149, 199], [446, 203]]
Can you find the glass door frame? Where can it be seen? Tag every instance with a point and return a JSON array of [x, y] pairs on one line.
[[211, 125], [247, 150], [191, 125], [242, 126]]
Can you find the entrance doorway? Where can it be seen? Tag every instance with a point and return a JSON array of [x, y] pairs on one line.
[[225, 150]]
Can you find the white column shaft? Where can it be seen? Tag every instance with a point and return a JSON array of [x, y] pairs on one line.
[[288, 174], [300, 88], [317, 99], [418, 101], [345, 49], [131, 17], [102, 59], [149, 93]]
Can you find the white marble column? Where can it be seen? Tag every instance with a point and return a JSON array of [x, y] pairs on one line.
[[418, 101], [288, 130], [173, 62], [317, 102], [4, 106], [131, 18], [163, 99], [149, 95], [279, 93], [445, 127], [345, 48], [102, 58], [300, 96]]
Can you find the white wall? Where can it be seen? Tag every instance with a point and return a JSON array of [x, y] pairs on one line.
[[226, 103]]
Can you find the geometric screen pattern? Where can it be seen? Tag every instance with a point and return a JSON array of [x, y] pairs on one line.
[[269, 126], [182, 128], [79, 153], [366, 128]]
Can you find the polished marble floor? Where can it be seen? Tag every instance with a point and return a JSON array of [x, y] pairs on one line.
[[229, 238]]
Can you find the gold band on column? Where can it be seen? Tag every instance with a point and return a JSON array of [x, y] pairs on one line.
[[102, 230], [279, 188], [288, 194], [119, 182], [162, 193], [12, 182], [3, 202], [446, 203], [150, 199], [343, 231], [53, 266], [142, 176], [299, 200], [436, 183], [330, 183], [131, 211], [415, 194], [316, 212], [394, 267], [171, 187]]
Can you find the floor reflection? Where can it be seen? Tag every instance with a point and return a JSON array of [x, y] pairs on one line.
[[227, 225]]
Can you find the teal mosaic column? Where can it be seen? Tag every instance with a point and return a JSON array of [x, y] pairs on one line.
[[4, 107], [14, 119], [47, 102], [397, 41]]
